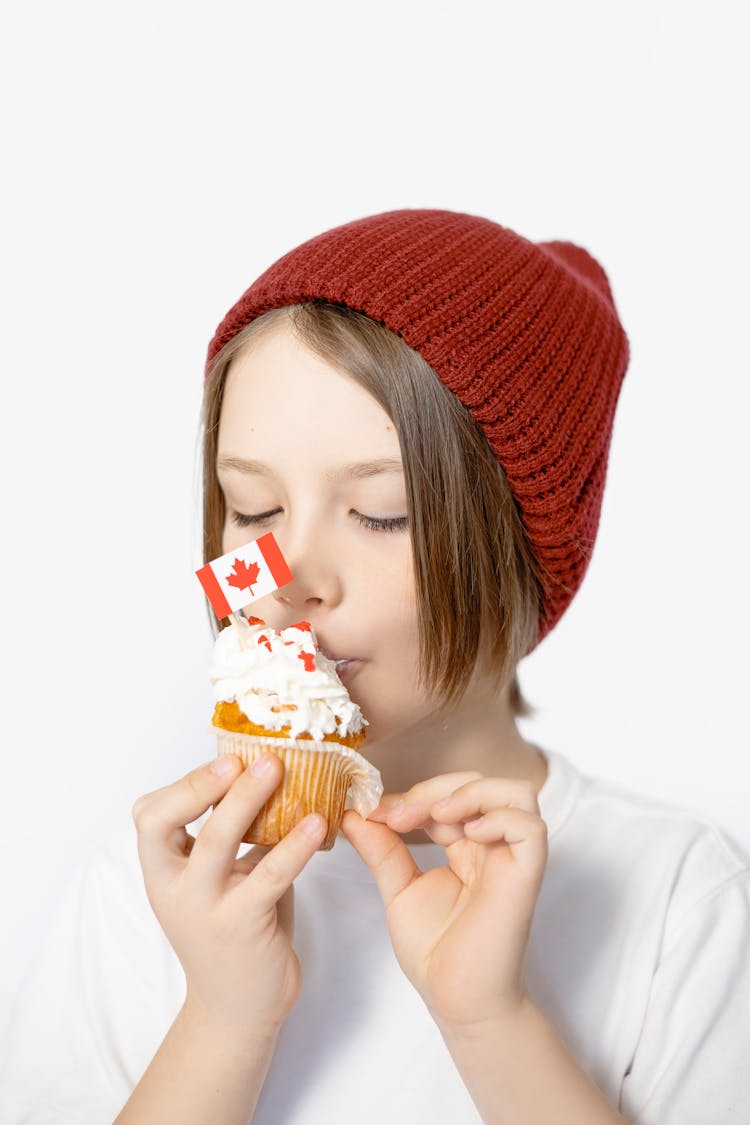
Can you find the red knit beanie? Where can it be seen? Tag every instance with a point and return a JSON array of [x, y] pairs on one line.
[[525, 334]]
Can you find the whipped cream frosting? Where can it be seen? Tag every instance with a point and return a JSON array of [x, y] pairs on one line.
[[262, 669]]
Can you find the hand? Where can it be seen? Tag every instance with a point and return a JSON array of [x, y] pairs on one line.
[[230, 921], [459, 932]]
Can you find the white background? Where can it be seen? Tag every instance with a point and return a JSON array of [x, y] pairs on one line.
[[157, 158]]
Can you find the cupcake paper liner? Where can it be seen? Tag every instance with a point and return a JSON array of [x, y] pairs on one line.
[[322, 777]]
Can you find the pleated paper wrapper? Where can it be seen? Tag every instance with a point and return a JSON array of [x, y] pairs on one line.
[[322, 777]]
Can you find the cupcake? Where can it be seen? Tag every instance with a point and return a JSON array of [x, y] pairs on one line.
[[277, 691]]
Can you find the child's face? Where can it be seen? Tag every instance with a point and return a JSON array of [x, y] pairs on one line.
[[302, 423]]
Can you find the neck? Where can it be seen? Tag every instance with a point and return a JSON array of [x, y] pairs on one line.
[[478, 735]]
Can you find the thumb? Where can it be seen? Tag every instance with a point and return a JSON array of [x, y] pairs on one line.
[[384, 852]]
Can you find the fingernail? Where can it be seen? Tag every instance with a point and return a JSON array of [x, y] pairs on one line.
[[222, 765], [312, 825], [261, 766]]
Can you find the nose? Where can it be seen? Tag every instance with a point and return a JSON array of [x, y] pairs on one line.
[[316, 579]]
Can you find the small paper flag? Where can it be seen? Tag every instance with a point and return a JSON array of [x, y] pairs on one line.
[[242, 576]]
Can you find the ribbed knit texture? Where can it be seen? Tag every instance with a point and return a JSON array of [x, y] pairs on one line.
[[525, 334]]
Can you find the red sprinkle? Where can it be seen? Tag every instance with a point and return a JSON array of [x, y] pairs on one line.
[[308, 659], [255, 621], [263, 640], [305, 626]]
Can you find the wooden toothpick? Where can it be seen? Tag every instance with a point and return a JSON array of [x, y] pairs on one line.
[[241, 628]]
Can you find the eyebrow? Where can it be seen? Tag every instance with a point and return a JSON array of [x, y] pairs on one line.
[[354, 470]]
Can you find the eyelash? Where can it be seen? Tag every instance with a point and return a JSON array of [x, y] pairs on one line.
[[392, 523]]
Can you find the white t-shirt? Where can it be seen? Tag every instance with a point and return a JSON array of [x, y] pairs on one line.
[[639, 955]]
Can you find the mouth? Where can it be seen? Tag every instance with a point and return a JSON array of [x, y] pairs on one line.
[[346, 669], [346, 666]]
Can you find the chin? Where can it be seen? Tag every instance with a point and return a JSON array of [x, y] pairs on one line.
[[380, 728], [390, 713]]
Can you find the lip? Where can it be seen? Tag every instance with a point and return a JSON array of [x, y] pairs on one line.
[[345, 666], [346, 669], [336, 659]]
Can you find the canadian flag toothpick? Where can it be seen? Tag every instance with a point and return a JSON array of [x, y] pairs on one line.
[[234, 580]]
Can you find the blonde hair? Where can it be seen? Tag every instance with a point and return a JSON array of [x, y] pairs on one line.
[[477, 586]]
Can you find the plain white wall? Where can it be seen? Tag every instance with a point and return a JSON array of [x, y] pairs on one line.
[[158, 158]]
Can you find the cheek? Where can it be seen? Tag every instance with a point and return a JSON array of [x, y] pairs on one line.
[[233, 536], [389, 687], [391, 594]]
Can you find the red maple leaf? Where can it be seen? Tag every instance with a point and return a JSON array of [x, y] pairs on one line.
[[243, 575]]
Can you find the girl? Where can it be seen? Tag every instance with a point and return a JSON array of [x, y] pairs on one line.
[[419, 405]]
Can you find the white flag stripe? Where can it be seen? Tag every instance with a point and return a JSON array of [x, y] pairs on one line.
[[224, 567]]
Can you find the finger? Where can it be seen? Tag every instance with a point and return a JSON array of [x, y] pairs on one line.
[[384, 852], [476, 798], [524, 833], [218, 841], [444, 834], [439, 833], [251, 858], [285, 912], [160, 817], [276, 871], [387, 802], [423, 793]]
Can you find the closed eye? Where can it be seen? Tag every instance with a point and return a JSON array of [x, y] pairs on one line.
[[246, 521], [373, 523], [391, 523]]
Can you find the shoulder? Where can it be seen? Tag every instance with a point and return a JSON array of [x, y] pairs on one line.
[[649, 847], [577, 801]]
